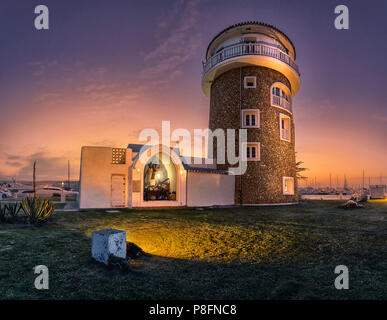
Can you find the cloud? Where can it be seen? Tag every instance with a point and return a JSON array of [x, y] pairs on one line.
[[48, 167], [14, 163], [101, 143], [41, 68], [92, 90], [99, 89], [380, 117], [13, 157], [180, 44]]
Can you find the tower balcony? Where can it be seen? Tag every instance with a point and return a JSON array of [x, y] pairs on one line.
[[281, 102], [245, 54]]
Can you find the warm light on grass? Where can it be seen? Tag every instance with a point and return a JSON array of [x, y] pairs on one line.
[[378, 200], [199, 238], [208, 242]]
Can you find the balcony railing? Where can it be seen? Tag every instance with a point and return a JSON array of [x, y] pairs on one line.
[[281, 102], [248, 49], [285, 134]]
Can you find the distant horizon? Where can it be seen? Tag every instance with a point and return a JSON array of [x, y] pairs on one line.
[[302, 183]]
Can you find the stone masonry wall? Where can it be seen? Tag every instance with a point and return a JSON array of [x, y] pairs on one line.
[[262, 183]]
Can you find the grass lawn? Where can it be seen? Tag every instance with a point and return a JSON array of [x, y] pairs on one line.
[[287, 252]]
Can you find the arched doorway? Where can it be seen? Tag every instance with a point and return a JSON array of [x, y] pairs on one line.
[[146, 189], [160, 180]]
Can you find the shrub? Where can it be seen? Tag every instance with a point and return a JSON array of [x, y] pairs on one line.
[[38, 210], [13, 209], [10, 213], [3, 213]]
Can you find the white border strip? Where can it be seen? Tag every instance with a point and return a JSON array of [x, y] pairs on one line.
[[269, 204]]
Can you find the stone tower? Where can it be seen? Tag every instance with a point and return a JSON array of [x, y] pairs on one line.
[[250, 76]]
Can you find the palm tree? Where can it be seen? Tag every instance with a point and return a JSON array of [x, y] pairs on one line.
[[34, 179], [300, 170]]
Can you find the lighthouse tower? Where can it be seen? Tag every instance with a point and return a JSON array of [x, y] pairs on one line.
[[250, 76]]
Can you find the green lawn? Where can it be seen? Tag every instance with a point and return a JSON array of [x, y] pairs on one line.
[[235, 253]]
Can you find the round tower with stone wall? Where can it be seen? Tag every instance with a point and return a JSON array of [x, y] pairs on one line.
[[250, 75]]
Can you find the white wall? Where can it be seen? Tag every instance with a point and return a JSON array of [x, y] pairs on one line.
[[378, 191], [237, 39], [95, 177], [325, 197], [203, 189], [207, 189]]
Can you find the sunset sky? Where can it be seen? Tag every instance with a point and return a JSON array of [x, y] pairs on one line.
[[107, 69]]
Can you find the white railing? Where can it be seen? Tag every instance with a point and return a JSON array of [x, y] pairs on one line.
[[281, 102], [248, 49], [285, 134]]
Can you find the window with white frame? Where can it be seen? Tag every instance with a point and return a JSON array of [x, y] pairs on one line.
[[288, 185], [250, 82], [249, 39], [285, 127], [280, 96], [250, 118], [251, 151]]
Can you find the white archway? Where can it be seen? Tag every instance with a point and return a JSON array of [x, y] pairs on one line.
[[164, 153]]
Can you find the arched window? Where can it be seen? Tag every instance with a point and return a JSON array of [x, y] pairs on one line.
[[159, 180], [280, 96]]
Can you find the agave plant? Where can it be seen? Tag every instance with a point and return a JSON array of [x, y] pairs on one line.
[[37, 210], [3, 213], [13, 209]]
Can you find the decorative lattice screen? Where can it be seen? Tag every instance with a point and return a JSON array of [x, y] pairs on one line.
[[118, 155]]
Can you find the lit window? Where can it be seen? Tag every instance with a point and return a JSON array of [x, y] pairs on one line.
[[250, 39], [250, 118], [285, 127], [288, 185], [252, 151], [280, 96], [250, 82]]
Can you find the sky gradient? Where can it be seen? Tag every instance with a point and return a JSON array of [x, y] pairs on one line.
[[105, 70]]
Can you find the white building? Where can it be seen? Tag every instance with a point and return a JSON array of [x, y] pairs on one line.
[[378, 191], [136, 177]]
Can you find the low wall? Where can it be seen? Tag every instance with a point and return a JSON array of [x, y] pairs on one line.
[[325, 197], [207, 189]]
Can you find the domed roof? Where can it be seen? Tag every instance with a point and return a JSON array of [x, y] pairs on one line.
[[249, 23]]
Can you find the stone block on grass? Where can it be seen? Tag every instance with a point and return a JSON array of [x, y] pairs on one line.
[[106, 242]]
